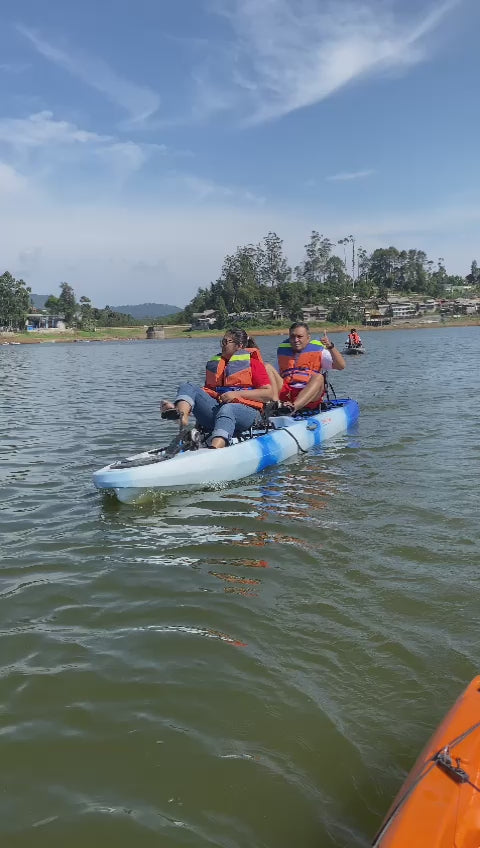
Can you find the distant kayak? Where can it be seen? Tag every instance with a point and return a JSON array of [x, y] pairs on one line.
[[286, 436], [353, 351], [438, 806]]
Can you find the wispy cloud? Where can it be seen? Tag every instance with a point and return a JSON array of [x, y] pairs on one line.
[[11, 181], [36, 141], [345, 176], [42, 129], [206, 189], [95, 244], [138, 101], [285, 55], [40, 146]]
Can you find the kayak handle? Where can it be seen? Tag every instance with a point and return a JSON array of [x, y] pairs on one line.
[[444, 761]]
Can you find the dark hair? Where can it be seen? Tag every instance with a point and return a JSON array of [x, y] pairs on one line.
[[297, 324], [239, 336], [353, 330]]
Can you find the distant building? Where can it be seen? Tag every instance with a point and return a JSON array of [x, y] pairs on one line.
[[402, 309], [378, 307], [314, 313], [427, 305], [259, 315], [204, 320], [449, 288], [156, 331], [467, 307], [42, 321], [375, 319]]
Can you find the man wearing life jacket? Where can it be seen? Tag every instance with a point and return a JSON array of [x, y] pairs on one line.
[[354, 339], [236, 388], [301, 360]]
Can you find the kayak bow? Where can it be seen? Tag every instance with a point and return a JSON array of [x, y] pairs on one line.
[[438, 806]]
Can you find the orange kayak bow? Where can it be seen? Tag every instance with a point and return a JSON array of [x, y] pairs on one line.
[[438, 806]]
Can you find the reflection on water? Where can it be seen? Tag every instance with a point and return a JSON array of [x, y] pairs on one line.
[[347, 578]]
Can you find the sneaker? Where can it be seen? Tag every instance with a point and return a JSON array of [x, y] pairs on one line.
[[191, 439], [170, 414]]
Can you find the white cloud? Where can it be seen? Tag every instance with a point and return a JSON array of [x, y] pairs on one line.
[[42, 129], [203, 189], [345, 176], [35, 141], [11, 181], [163, 252], [287, 55], [124, 157], [138, 101]]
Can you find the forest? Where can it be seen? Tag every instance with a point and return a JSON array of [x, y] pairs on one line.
[[257, 277]]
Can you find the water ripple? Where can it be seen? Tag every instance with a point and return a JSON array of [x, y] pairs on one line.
[[255, 665]]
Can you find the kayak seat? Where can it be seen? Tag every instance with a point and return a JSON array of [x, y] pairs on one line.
[[258, 428]]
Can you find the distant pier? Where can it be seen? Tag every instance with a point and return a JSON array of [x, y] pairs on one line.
[[155, 332]]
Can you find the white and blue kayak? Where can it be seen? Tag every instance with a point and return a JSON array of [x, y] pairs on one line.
[[287, 436]]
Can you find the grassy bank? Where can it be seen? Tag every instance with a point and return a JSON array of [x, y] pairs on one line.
[[179, 331], [102, 334]]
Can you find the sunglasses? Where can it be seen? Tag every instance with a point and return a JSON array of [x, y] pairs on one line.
[[228, 341]]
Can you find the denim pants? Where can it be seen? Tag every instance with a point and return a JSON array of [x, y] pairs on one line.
[[224, 419]]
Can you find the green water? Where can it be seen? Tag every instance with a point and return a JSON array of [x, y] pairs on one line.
[[254, 666]]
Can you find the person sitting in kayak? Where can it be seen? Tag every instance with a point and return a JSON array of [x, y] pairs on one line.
[[354, 339], [301, 360], [236, 387]]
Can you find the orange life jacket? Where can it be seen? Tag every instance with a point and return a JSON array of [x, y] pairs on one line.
[[298, 368], [354, 339], [234, 375]]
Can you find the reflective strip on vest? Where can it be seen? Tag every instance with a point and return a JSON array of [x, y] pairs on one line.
[[237, 363], [234, 375], [298, 367]]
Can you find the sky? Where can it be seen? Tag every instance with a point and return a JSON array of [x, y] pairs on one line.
[[142, 142]]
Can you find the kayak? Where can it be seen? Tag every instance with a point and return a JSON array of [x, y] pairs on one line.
[[285, 437], [353, 351], [439, 804]]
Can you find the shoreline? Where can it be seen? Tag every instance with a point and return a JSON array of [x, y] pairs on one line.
[[182, 332]]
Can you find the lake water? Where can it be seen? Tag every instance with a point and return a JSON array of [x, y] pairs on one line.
[[253, 667]]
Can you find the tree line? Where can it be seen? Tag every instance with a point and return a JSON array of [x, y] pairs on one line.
[[259, 277], [15, 305]]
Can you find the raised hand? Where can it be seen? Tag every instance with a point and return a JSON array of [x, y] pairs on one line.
[[325, 340]]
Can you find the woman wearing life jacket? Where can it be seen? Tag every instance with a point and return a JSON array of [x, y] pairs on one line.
[[301, 360], [236, 388], [354, 339]]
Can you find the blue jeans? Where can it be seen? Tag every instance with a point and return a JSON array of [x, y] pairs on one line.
[[224, 419]]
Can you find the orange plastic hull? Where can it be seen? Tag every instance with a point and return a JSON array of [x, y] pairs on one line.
[[434, 808]]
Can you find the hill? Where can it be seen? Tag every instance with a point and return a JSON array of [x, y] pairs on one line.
[[38, 300], [147, 310], [140, 310]]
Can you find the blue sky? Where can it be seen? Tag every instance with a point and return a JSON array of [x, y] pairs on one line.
[[141, 142]]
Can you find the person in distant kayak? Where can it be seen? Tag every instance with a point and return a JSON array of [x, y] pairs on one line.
[[236, 388], [299, 382], [354, 339]]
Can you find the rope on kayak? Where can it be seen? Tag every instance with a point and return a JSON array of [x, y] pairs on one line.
[[285, 429], [400, 804], [443, 760], [464, 735], [328, 387]]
